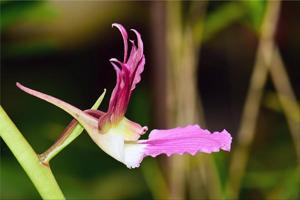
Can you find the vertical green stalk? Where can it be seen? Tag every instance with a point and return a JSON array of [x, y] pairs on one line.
[[40, 174]]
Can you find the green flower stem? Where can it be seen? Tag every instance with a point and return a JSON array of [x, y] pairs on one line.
[[70, 133], [40, 174]]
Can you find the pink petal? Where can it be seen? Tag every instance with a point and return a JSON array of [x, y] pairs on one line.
[[128, 75], [140, 50], [122, 93], [137, 73], [120, 96], [132, 56], [136, 60], [191, 139], [86, 120], [114, 95], [125, 38]]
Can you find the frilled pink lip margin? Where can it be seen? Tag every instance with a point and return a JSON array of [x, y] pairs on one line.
[[186, 140]]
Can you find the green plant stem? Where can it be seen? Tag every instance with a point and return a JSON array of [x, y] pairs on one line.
[[40, 174], [70, 133], [155, 180]]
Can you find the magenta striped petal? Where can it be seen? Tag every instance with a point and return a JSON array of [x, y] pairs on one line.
[[125, 38], [128, 75], [136, 60], [137, 73], [191, 139]]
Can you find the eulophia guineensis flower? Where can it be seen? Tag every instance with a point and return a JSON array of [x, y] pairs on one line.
[[118, 136]]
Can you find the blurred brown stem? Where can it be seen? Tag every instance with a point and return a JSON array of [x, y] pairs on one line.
[[174, 37], [183, 100], [287, 99], [151, 170], [202, 174], [249, 116]]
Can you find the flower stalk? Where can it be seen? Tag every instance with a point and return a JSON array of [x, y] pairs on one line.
[[40, 174]]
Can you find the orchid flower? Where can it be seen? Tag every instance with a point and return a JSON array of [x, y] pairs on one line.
[[118, 136]]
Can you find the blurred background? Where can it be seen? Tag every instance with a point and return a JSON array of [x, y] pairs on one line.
[[230, 65]]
